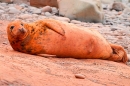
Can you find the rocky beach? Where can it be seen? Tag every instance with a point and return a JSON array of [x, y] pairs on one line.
[[15, 67]]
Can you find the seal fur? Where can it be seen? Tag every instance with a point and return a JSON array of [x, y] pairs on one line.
[[53, 37]]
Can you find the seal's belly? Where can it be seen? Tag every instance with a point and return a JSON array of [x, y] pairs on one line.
[[76, 43]]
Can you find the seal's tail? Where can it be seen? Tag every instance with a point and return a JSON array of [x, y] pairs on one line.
[[118, 54]]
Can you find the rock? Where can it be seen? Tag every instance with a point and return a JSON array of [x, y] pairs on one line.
[[3, 4], [41, 3], [1, 11], [128, 57], [54, 10], [118, 6], [47, 14], [127, 23], [25, 16], [35, 10], [13, 10], [65, 19], [18, 7], [6, 1], [83, 10], [1, 7], [23, 5], [79, 76], [47, 9], [109, 1], [114, 28], [38, 11], [76, 22], [126, 10]]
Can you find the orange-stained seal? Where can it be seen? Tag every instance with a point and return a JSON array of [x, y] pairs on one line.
[[53, 37]]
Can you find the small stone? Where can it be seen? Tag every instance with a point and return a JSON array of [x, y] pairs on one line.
[[114, 28], [127, 23], [79, 76], [18, 7], [54, 10], [13, 10], [3, 4], [65, 19], [47, 9], [1, 7], [76, 22], [119, 13], [5, 43], [1, 11], [128, 57], [118, 6], [25, 16], [23, 5], [37, 11], [47, 14]]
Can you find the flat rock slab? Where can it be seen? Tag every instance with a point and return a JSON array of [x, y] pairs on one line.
[[19, 69]]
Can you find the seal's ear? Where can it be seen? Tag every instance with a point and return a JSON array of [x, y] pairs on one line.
[[55, 26]]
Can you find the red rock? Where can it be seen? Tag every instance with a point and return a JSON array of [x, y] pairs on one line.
[[41, 3], [79, 76], [19, 69]]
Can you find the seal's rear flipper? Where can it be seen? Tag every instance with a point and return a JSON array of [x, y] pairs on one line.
[[55, 26], [118, 54]]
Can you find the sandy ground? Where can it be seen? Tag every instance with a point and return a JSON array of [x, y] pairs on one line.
[[19, 69]]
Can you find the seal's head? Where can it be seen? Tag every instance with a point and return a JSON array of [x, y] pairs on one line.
[[16, 30]]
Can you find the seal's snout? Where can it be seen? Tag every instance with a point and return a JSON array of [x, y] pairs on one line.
[[22, 30]]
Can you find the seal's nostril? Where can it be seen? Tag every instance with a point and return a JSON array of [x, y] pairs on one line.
[[21, 24], [12, 27], [22, 30]]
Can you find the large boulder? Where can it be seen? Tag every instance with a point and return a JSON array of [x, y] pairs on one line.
[[83, 10], [41, 3]]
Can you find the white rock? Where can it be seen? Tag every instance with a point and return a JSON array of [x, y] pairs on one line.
[[1, 7], [25, 16], [54, 10], [76, 22], [47, 14], [24, 5], [83, 10], [47, 9], [13, 10], [3, 4], [37, 11], [1, 11]]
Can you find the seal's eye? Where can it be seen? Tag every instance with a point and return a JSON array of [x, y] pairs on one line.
[[12, 27], [22, 24]]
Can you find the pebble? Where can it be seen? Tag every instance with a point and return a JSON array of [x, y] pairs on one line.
[[3, 4], [37, 11], [79, 76], [47, 14], [13, 10], [75, 22], [54, 10], [1, 11], [25, 16], [47, 9], [65, 19]]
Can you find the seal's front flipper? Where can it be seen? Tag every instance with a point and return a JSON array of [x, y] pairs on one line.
[[55, 26], [118, 54]]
